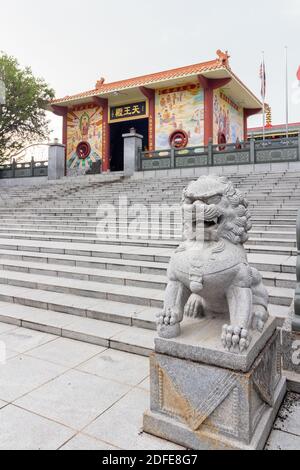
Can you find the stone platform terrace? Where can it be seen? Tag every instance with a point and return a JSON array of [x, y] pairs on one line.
[[57, 393], [61, 278]]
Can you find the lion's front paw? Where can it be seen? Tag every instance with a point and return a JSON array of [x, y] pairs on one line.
[[260, 318], [167, 317], [194, 307], [235, 339]]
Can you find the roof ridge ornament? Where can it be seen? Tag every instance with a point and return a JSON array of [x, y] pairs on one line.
[[223, 57], [99, 83]]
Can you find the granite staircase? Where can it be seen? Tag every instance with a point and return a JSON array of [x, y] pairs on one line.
[[60, 272]]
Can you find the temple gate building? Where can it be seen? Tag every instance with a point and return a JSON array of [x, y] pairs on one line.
[[185, 107]]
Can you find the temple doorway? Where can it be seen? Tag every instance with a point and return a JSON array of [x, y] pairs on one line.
[[117, 141]]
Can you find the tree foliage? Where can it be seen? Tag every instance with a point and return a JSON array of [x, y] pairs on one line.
[[23, 119]]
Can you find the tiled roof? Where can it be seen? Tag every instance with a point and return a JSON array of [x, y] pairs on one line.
[[295, 125], [146, 80]]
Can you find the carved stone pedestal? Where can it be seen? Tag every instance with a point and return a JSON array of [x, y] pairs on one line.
[[291, 351], [203, 397]]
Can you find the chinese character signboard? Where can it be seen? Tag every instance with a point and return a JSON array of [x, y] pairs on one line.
[[128, 112]]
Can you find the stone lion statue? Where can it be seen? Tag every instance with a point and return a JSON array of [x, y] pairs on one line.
[[209, 273]]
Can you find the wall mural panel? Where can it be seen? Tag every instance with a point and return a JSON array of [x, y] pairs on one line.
[[84, 133], [180, 108], [228, 118]]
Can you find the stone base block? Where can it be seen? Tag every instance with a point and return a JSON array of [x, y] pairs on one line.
[[201, 404]]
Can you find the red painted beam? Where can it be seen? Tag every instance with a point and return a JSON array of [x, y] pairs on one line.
[[103, 103], [209, 85], [59, 110], [150, 95], [247, 113]]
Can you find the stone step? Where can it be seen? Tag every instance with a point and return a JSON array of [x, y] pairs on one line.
[[270, 262], [144, 267], [140, 253], [122, 278], [92, 290], [126, 278], [272, 241], [80, 306], [276, 238], [113, 249], [117, 336], [144, 296]]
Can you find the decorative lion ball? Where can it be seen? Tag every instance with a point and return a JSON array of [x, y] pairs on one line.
[[211, 276]]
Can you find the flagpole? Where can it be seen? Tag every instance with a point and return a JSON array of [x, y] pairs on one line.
[[286, 92], [264, 96]]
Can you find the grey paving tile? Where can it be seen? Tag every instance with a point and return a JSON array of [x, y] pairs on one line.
[[66, 352], [23, 339], [22, 374], [289, 415], [5, 327], [145, 384], [74, 399], [82, 442], [117, 365], [3, 404], [128, 413], [134, 340], [280, 440], [22, 430]]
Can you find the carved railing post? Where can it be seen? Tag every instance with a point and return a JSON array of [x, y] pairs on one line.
[[172, 164], [210, 153], [32, 166], [13, 167], [252, 151]]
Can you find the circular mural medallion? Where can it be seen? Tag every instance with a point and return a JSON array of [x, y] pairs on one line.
[[178, 139], [83, 150]]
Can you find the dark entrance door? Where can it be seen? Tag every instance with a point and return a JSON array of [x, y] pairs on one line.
[[117, 141]]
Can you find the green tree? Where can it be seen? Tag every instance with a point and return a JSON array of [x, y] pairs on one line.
[[23, 118]]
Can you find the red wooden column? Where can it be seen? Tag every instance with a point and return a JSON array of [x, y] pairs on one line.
[[150, 95], [247, 113], [209, 85], [103, 103]]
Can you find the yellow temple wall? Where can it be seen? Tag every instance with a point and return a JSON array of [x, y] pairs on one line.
[[84, 124], [228, 118], [179, 108]]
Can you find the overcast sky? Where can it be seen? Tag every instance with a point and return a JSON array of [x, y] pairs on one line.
[[72, 43]]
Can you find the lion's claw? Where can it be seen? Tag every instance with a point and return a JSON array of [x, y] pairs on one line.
[[167, 317], [235, 339]]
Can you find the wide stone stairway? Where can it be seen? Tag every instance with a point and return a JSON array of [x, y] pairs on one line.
[[61, 273]]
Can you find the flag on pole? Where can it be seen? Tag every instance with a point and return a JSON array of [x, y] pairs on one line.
[[263, 78], [298, 75]]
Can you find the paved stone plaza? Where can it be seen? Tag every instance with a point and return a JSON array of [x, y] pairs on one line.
[[57, 393]]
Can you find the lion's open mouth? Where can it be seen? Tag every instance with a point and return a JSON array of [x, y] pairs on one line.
[[211, 223]]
